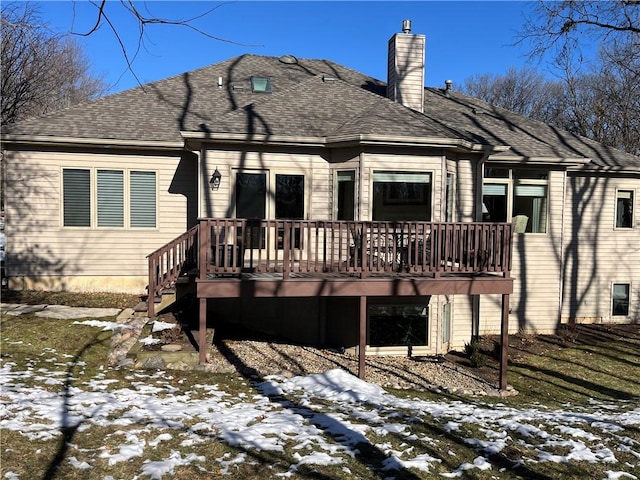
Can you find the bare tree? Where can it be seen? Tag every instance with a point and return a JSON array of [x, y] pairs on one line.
[[598, 98], [41, 71], [143, 18], [603, 104], [566, 28], [524, 91]]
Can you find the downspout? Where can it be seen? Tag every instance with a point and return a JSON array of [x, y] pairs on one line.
[[198, 155], [562, 258]]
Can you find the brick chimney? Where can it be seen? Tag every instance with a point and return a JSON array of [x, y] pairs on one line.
[[405, 72]]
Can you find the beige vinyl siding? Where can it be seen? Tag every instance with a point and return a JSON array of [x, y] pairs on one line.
[[221, 203], [43, 247], [461, 325], [596, 253], [536, 270], [465, 188], [464, 169]]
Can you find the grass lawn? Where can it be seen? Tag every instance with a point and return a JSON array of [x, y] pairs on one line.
[[66, 415]]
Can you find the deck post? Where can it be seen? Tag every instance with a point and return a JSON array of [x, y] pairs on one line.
[[504, 343], [204, 248], [202, 332], [362, 337], [286, 250], [151, 311]]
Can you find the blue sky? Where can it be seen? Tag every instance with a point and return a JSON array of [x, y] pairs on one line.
[[464, 38]]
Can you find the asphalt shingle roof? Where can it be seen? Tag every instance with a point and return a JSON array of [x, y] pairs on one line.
[[303, 103]]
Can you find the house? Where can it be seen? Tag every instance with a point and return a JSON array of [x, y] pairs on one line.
[[307, 200]]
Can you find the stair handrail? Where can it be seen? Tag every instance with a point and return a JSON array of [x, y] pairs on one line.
[[170, 261]]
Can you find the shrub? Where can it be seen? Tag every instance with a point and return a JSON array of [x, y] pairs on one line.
[[475, 355]]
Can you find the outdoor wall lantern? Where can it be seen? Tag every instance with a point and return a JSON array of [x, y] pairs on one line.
[[216, 178]]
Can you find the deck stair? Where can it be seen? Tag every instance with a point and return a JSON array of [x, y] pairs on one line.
[[166, 297], [171, 267]]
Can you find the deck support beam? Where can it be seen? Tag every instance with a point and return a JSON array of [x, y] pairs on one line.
[[362, 337], [202, 332], [504, 343]]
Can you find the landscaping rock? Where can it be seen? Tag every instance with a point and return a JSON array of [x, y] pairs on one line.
[[179, 365], [154, 363], [171, 347]]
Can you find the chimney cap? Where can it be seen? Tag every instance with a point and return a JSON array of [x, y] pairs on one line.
[[406, 26]]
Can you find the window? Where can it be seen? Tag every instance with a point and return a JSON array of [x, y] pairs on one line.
[[259, 194], [76, 197], [624, 209], [621, 293], [98, 198], [346, 200], [143, 199], [446, 323], [399, 196], [518, 196], [251, 203], [110, 198], [448, 212], [397, 325], [289, 202]]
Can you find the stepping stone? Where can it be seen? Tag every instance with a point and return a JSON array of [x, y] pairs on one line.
[[23, 309], [172, 347]]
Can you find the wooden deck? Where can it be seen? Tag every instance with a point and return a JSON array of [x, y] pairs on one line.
[[235, 258]]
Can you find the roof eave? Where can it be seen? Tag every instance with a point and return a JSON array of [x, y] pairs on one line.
[[592, 167], [412, 141], [334, 141], [533, 160], [45, 140]]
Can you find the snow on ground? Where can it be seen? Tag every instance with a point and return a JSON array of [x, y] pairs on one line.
[[287, 414]]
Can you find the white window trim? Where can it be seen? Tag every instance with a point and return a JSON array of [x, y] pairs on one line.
[[93, 185], [511, 184], [355, 191], [450, 329], [630, 299], [453, 177], [432, 180], [61, 199], [94, 198], [633, 213], [271, 187], [397, 350]]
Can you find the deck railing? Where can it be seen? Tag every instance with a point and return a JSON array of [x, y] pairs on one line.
[[169, 262], [230, 246]]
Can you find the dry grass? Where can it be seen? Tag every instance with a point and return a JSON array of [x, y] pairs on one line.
[[72, 299]]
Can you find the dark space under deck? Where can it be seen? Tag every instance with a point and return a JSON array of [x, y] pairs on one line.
[[238, 258]]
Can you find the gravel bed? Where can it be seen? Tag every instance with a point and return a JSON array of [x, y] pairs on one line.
[[259, 359]]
